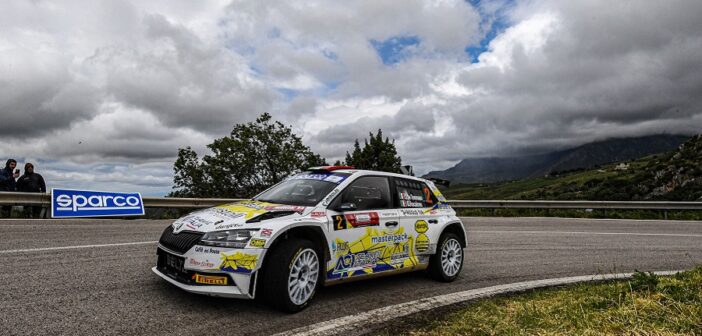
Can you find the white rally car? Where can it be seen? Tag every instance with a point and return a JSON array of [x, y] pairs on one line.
[[325, 226]]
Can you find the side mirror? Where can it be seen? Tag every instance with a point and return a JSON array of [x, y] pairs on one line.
[[347, 207]]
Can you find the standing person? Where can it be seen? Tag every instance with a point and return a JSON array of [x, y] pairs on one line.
[[7, 183], [31, 182]]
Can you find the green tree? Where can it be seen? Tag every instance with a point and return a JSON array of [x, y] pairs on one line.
[[252, 158], [377, 154]]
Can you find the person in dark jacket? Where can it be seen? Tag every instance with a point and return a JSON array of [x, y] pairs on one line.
[[31, 182], [7, 183]]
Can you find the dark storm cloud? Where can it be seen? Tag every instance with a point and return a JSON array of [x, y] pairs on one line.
[[117, 81]]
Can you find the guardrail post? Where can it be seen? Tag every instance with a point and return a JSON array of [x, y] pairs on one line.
[[665, 214]]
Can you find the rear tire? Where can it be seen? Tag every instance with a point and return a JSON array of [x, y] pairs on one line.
[[291, 275], [446, 264]]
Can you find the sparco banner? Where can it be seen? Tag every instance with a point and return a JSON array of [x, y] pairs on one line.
[[67, 203]]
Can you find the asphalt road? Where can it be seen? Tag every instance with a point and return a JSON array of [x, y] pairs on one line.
[[110, 290]]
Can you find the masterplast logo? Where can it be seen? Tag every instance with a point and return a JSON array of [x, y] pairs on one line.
[[67, 203]]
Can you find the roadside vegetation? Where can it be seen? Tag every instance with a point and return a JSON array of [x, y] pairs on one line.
[[674, 176], [259, 154], [645, 305]]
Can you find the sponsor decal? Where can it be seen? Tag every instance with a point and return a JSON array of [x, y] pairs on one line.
[[422, 243], [377, 251], [356, 260], [438, 206], [340, 247], [316, 214], [201, 264], [399, 256], [228, 226], [67, 203], [254, 242], [224, 213], [192, 221], [331, 196], [248, 209], [335, 179], [206, 249], [390, 238], [329, 177], [296, 208], [266, 232], [211, 279], [388, 214], [253, 205], [410, 212], [421, 226], [239, 262], [350, 221], [213, 216]]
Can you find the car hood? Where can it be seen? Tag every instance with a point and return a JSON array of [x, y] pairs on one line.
[[234, 215]]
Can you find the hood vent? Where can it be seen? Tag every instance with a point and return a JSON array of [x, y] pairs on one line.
[[270, 215]]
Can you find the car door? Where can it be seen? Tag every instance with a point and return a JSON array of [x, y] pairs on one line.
[[360, 219], [417, 209]]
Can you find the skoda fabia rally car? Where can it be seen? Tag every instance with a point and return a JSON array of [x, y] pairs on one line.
[[324, 226]]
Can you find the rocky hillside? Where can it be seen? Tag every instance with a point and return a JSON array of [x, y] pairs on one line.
[[496, 169], [677, 176]]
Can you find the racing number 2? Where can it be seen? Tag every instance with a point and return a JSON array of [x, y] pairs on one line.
[[339, 223], [427, 194]]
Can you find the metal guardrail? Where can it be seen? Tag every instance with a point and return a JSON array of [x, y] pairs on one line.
[[519, 204], [17, 198], [20, 198]]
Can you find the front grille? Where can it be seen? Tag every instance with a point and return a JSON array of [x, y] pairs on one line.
[[180, 242], [172, 266]]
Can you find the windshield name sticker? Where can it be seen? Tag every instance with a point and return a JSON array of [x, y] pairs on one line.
[[295, 208], [319, 177]]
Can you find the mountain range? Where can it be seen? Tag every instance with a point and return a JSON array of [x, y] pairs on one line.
[[590, 155]]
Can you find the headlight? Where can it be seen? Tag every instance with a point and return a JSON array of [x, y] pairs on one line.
[[228, 238]]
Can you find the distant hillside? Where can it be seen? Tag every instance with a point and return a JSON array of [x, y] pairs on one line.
[[676, 175], [496, 169]]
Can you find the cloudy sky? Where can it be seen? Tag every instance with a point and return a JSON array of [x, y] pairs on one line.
[[101, 94]]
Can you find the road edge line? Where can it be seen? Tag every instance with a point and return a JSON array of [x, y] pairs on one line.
[[358, 323], [58, 248]]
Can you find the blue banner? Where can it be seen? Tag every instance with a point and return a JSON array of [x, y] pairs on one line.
[[67, 203]]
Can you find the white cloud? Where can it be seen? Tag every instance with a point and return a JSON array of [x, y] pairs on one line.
[[104, 93]]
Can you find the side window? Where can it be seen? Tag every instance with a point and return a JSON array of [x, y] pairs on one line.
[[414, 194], [368, 193]]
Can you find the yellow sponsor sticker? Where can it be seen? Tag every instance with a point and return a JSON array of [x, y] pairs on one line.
[[257, 242], [422, 243], [211, 279], [421, 226]]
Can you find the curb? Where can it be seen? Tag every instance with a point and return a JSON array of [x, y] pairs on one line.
[[359, 324]]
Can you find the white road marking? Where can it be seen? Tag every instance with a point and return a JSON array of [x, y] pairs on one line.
[[575, 219], [74, 247], [592, 233], [365, 322]]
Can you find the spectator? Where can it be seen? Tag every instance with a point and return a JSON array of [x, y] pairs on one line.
[[7, 183], [31, 182]]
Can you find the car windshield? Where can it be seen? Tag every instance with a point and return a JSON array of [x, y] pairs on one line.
[[306, 189]]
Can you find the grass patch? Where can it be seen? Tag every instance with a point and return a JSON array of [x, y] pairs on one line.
[[644, 305]]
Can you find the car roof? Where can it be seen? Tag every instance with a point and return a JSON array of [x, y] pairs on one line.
[[362, 172]]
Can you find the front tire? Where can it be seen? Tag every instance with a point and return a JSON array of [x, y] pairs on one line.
[[291, 277], [446, 264]]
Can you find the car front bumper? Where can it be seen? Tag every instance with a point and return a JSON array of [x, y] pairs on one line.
[[220, 291]]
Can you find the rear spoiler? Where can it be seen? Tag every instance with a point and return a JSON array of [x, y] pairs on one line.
[[439, 181]]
